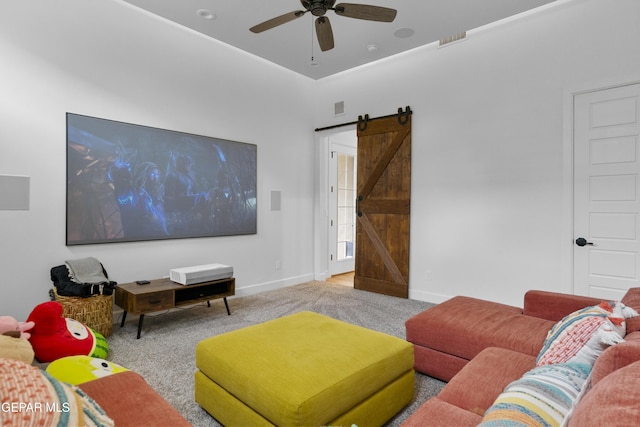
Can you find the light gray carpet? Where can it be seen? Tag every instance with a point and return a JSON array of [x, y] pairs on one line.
[[165, 353]]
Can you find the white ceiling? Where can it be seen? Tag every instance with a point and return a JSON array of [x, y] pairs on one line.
[[357, 42]]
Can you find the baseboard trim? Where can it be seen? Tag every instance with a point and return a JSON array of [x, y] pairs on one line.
[[273, 285], [428, 296], [322, 276]]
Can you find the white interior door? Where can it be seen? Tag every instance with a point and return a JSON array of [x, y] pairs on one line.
[[342, 195], [606, 192]]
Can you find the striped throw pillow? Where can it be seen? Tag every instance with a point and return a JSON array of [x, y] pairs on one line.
[[543, 396], [582, 335]]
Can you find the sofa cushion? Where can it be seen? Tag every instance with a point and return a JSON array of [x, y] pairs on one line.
[[612, 402], [436, 363], [481, 373], [632, 299], [543, 396], [437, 413], [464, 326], [130, 401], [554, 305], [583, 335], [616, 357], [31, 396]]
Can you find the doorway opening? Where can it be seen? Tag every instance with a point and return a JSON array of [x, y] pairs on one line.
[[346, 205], [345, 279], [342, 205]]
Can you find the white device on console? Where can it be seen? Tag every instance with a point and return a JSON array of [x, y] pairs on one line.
[[200, 273]]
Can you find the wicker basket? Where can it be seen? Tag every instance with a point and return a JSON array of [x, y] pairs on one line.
[[95, 311]]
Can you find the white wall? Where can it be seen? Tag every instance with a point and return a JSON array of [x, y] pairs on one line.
[[488, 200], [488, 205], [107, 59]]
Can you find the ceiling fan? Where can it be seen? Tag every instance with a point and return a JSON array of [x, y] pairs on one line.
[[323, 26]]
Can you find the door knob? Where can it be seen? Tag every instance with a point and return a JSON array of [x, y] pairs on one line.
[[581, 241]]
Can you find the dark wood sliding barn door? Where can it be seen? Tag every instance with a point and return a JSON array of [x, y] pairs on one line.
[[383, 206]]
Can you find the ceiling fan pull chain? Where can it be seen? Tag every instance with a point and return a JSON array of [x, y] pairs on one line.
[[403, 117], [312, 42]]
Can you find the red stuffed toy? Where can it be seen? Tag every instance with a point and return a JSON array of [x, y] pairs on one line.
[[55, 336]]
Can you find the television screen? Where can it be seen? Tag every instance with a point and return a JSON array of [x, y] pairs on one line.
[[128, 182]]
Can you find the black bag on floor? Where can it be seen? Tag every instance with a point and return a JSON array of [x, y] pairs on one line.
[[66, 286]]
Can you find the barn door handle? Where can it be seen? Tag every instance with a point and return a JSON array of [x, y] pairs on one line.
[[358, 200], [581, 241]]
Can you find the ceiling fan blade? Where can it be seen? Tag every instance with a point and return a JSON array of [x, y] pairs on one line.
[[324, 33], [278, 20], [366, 11]]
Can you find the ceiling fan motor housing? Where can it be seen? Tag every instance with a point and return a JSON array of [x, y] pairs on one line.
[[318, 7]]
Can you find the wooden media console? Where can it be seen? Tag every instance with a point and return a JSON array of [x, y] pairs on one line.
[[164, 294]]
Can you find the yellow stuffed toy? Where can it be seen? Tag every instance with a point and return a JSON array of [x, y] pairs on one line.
[[76, 370], [16, 349]]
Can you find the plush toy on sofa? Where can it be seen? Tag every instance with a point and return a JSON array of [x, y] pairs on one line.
[[14, 337], [55, 336], [80, 369], [10, 326]]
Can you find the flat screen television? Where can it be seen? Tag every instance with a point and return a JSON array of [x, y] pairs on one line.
[[128, 182]]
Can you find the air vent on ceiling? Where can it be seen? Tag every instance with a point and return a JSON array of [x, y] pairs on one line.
[[454, 38]]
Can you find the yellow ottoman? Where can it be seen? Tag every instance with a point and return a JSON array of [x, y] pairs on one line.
[[304, 370]]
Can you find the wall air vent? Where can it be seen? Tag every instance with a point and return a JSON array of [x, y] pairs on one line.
[[456, 37]]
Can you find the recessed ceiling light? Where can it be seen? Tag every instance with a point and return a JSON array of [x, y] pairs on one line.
[[372, 48], [404, 33], [206, 14]]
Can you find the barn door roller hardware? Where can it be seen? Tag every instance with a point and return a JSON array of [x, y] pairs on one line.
[[403, 116], [362, 122]]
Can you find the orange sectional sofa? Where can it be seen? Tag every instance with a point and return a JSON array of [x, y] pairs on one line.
[[480, 347], [129, 401]]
